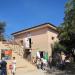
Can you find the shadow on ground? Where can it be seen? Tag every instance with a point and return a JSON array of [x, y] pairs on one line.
[[69, 70]]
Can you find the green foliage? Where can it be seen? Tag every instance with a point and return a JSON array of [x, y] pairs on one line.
[[57, 47], [2, 29], [67, 28], [67, 31]]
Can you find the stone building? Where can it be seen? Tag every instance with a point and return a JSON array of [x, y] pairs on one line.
[[38, 38]]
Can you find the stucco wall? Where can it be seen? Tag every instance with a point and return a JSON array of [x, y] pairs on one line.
[[41, 39], [19, 37], [52, 37]]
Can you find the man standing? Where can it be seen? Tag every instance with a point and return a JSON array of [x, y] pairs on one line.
[[0, 67], [3, 67], [50, 62]]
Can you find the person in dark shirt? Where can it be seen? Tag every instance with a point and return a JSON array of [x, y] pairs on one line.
[[3, 67], [0, 64]]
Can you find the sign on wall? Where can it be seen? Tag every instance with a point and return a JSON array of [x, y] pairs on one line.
[[6, 53]]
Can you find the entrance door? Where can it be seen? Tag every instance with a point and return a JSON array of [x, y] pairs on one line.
[[41, 54], [27, 54]]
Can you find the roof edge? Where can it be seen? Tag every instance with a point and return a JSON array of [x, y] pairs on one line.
[[33, 27]]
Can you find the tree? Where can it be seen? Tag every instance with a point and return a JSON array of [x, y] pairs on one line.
[[58, 48], [67, 28], [2, 29]]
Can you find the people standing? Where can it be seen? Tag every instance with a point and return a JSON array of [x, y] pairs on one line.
[[62, 60], [38, 55], [3, 67], [67, 62], [62, 57], [50, 62], [13, 66], [42, 63], [0, 67], [45, 64], [38, 63]]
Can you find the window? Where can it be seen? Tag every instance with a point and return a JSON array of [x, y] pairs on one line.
[[52, 38], [21, 41], [30, 42]]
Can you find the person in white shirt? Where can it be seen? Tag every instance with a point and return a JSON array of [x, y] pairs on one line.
[[13, 66], [43, 63], [62, 57], [38, 55], [38, 63]]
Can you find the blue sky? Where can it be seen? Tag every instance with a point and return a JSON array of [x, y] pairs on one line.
[[20, 14]]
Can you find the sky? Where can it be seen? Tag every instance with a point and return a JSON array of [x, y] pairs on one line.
[[22, 14]]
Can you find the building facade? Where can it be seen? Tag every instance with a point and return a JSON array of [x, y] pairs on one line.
[[37, 39]]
